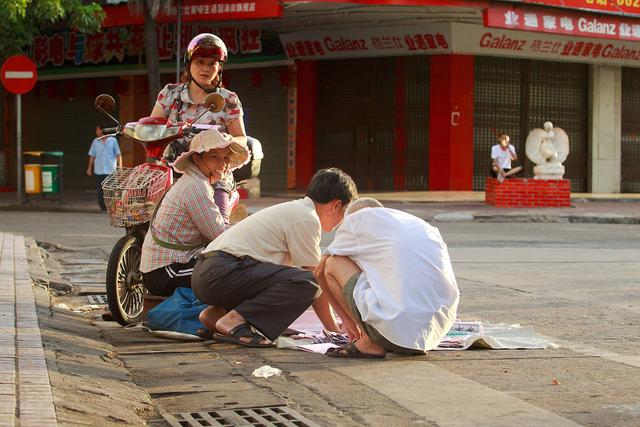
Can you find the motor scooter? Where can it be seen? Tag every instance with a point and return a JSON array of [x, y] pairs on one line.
[[132, 194]]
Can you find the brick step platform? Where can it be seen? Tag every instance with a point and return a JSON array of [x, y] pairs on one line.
[[528, 193]]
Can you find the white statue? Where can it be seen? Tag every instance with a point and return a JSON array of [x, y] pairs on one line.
[[548, 148]]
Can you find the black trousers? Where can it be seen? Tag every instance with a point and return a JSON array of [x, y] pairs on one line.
[[99, 179], [269, 296], [165, 280]]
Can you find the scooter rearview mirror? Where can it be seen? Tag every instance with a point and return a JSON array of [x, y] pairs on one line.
[[106, 104], [215, 102]]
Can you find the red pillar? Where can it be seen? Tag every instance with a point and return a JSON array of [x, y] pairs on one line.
[[306, 103], [451, 123]]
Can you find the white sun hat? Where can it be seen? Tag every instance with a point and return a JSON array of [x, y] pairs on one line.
[[210, 140]]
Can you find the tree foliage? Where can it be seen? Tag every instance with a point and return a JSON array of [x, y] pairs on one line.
[[150, 9], [22, 20]]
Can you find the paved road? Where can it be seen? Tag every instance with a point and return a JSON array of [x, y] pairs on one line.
[[577, 283], [69, 229]]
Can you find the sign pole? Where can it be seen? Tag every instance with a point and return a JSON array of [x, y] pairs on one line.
[[19, 75], [178, 41], [19, 146]]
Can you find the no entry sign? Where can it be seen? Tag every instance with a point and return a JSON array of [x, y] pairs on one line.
[[19, 74]]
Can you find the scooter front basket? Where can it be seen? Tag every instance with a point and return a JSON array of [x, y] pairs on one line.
[[131, 194]]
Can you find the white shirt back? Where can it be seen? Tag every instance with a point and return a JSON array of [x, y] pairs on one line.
[[408, 290], [502, 157]]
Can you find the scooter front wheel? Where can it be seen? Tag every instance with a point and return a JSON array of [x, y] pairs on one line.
[[125, 290]]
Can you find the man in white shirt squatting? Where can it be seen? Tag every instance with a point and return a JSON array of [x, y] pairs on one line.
[[389, 277]]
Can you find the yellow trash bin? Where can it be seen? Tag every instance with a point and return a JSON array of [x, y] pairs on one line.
[[32, 172], [32, 181]]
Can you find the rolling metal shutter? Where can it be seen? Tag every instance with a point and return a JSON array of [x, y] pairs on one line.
[[356, 120], [558, 92], [264, 101], [515, 95], [630, 130], [496, 110], [417, 122]]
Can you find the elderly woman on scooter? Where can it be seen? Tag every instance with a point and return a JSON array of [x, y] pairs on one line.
[[188, 218], [184, 102]]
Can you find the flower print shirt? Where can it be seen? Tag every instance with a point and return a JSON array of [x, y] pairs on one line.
[[178, 106]]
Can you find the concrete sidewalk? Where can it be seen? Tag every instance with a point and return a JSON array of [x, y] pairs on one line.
[[25, 391], [429, 205]]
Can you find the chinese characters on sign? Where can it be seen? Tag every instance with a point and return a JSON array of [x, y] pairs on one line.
[[292, 107], [627, 7], [559, 22], [122, 42], [482, 41], [199, 10], [389, 41], [215, 8]]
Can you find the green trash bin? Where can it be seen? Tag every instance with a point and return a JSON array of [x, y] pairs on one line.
[[52, 171]]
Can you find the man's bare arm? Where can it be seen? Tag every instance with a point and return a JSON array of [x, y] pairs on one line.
[[322, 305], [90, 165]]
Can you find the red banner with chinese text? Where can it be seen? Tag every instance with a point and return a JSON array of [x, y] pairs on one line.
[[122, 44], [556, 21], [620, 7], [198, 10]]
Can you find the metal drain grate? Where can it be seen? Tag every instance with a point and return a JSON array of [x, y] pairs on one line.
[[97, 299], [278, 416]]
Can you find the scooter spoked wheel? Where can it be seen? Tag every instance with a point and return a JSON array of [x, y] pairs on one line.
[[125, 290]]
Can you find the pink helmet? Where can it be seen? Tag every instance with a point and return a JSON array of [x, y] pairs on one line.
[[205, 45]]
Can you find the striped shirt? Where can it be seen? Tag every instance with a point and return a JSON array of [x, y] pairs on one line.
[[187, 215]]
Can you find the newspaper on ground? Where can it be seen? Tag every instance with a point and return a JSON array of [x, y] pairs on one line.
[[307, 334]]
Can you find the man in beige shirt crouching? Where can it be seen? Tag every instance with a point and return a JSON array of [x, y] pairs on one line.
[[257, 276]]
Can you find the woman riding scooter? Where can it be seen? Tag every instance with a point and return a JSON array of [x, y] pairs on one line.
[[184, 101]]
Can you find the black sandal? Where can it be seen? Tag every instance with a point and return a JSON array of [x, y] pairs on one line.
[[351, 351], [243, 331], [204, 333]]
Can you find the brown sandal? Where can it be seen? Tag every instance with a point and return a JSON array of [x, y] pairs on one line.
[[351, 351]]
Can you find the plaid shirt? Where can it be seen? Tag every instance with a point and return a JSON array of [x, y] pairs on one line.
[[187, 215]]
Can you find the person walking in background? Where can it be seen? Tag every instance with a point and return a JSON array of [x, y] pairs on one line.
[[104, 156]]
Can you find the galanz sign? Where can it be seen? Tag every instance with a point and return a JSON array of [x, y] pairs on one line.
[[594, 26], [555, 21], [477, 40]]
